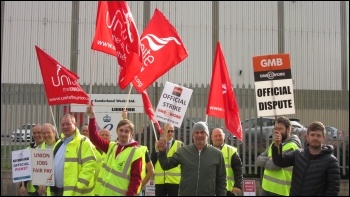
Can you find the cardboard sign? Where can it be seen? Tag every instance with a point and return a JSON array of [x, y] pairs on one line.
[[273, 85], [150, 188], [33, 164], [21, 165], [249, 188], [113, 103], [173, 104]]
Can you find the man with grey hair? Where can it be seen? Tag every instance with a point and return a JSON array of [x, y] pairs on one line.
[[202, 165]]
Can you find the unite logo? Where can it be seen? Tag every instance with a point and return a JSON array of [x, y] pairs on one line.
[[154, 44], [61, 79], [117, 24]]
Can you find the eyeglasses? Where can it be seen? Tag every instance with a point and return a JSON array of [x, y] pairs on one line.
[[170, 131]]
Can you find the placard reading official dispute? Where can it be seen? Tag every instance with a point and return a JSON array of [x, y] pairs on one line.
[[273, 85], [173, 104]]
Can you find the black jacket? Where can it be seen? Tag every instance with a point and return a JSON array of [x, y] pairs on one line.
[[313, 175]]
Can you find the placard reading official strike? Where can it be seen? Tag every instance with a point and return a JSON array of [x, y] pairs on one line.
[[173, 104], [21, 165], [273, 85]]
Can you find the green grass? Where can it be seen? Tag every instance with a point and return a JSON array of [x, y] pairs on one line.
[[6, 154]]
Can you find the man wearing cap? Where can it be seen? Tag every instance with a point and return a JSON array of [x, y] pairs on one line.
[[203, 170]]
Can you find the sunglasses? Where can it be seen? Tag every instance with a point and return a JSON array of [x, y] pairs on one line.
[[170, 131]]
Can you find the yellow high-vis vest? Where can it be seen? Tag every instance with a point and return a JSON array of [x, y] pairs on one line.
[[114, 177], [171, 176], [227, 152], [278, 181]]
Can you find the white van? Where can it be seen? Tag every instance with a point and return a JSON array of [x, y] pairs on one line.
[[23, 133]]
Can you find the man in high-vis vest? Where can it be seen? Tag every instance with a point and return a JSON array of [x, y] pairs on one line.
[[27, 187], [121, 170], [49, 133], [233, 163], [74, 162], [147, 168], [276, 181], [167, 181]]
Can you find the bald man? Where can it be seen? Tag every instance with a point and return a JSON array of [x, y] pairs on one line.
[[105, 134], [233, 163]]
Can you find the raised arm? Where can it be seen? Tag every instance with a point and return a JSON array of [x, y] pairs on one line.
[[98, 141]]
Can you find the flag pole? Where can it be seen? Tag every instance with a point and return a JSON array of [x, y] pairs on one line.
[[54, 122], [154, 131], [91, 79], [127, 100]]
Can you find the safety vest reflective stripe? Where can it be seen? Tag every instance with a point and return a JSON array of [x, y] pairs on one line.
[[108, 169], [75, 189], [123, 174], [167, 174], [83, 181], [80, 161], [273, 179], [111, 187]]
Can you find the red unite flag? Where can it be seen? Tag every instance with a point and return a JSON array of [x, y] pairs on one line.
[[162, 49], [224, 106], [61, 84], [149, 110], [116, 34]]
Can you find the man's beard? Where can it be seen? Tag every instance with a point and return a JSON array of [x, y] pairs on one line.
[[284, 136]]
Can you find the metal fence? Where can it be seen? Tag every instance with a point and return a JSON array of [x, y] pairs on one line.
[[26, 103]]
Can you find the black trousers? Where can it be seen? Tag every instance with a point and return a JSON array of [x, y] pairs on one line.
[[167, 189], [56, 191]]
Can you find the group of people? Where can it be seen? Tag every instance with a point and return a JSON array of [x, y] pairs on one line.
[[88, 163], [290, 170]]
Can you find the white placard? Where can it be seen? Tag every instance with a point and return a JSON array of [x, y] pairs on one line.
[[115, 103], [21, 165], [33, 164], [150, 189], [275, 97], [42, 164], [173, 104]]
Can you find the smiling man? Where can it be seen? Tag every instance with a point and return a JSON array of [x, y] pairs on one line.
[[203, 170], [315, 169]]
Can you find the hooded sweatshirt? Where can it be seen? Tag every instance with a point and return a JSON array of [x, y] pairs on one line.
[[102, 144]]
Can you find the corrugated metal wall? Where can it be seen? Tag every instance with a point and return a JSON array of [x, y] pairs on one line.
[[315, 34]]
